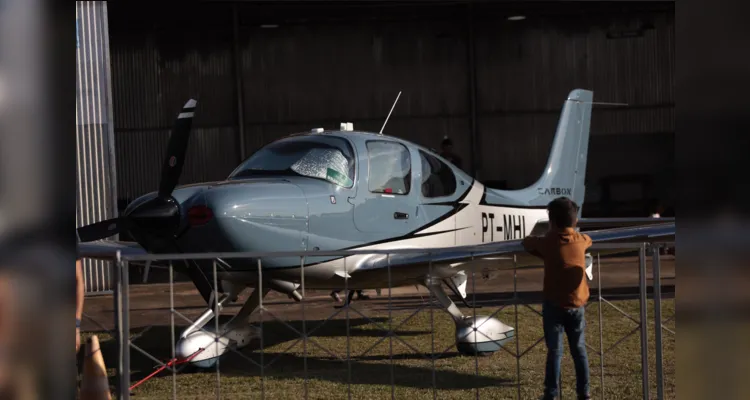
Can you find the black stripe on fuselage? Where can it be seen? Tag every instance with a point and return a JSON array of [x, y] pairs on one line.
[[412, 236], [457, 207], [415, 233]]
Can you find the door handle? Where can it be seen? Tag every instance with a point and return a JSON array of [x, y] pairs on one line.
[[400, 215]]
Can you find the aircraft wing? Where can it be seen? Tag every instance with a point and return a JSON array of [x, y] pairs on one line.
[[584, 224], [467, 256], [594, 223], [471, 257], [107, 249]]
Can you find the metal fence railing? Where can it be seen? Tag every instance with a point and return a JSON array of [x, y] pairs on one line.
[[306, 336]]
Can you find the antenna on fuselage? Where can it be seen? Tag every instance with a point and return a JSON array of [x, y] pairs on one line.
[[389, 114]]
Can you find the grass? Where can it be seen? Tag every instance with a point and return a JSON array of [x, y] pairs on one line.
[[407, 374]]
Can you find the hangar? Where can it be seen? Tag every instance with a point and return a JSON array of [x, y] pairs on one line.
[[487, 75], [490, 76]]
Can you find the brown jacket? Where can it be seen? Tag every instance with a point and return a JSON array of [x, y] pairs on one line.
[[564, 255]]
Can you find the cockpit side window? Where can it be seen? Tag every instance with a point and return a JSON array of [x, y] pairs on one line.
[[327, 158], [390, 167], [437, 178]]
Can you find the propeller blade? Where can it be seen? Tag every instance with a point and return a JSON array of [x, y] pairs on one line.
[[176, 149], [99, 230]]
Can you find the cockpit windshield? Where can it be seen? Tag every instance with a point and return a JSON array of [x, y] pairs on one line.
[[322, 157]]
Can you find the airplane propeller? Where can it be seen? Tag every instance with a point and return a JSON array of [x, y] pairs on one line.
[[155, 223], [99, 230], [159, 216]]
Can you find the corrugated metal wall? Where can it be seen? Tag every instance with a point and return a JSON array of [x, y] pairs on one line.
[[95, 194], [324, 65], [301, 77], [157, 66], [526, 69]]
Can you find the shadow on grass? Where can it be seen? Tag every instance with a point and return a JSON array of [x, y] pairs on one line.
[[499, 299], [365, 370]]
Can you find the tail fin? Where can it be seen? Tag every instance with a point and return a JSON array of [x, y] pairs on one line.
[[565, 172]]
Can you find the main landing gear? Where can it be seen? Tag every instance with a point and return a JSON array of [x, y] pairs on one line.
[[199, 343], [199, 340], [480, 335]]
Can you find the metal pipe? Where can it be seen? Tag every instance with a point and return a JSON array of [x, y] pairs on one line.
[[644, 315], [348, 336], [390, 329], [203, 319], [121, 386], [237, 56], [171, 317], [126, 327], [262, 342], [474, 322], [304, 319], [657, 322], [123, 328], [472, 83], [476, 251], [217, 333], [518, 343], [601, 322], [432, 333]]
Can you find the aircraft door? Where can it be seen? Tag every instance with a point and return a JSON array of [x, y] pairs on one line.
[[440, 190], [386, 201]]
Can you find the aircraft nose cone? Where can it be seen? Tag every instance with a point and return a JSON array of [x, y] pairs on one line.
[[158, 217]]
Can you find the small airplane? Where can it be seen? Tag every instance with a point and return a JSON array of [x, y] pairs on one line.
[[328, 190]]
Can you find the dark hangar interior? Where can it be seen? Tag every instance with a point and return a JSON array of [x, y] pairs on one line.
[[492, 76]]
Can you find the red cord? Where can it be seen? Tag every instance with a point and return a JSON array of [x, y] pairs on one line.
[[171, 362]]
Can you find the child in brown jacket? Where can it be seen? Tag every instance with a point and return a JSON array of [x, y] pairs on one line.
[[566, 292]]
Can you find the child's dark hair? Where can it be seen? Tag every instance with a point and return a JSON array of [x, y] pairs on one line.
[[562, 212]]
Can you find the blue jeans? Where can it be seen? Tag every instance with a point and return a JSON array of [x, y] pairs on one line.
[[573, 322]]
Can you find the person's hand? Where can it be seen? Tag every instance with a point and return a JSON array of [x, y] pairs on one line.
[[78, 339]]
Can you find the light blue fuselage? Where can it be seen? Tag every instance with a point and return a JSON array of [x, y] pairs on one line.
[[267, 210], [298, 213]]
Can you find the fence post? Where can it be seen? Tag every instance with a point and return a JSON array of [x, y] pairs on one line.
[[126, 329], [657, 321], [122, 327], [517, 336], [601, 322], [643, 322], [117, 304]]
